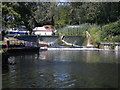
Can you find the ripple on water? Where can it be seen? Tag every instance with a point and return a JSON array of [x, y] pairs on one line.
[[62, 80]]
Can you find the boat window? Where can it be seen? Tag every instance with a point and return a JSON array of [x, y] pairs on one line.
[[15, 29], [46, 27]]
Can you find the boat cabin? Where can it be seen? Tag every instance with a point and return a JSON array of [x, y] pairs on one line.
[[44, 30]]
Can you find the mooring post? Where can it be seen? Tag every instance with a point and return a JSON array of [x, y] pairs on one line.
[[7, 43], [30, 44]]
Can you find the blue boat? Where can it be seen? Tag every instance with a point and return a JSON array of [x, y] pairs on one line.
[[18, 31]]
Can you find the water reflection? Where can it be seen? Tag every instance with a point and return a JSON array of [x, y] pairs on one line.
[[45, 55], [11, 60], [63, 69], [102, 57], [82, 56]]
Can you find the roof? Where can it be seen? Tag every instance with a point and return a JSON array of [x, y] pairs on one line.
[[44, 28], [39, 28]]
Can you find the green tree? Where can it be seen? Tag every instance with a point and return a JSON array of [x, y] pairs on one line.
[[63, 17], [9, 15], [26, 10], [45, 13], [18, 13], [58, 14]]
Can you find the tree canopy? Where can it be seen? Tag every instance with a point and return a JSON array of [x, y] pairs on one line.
[[105, 15], [58, 14]]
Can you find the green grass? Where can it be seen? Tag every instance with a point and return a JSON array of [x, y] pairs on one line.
[[75, 30]]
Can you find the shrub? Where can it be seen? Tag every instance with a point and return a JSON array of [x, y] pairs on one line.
[[110, 32]]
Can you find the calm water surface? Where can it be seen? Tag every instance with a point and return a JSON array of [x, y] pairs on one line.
[[62, 69]]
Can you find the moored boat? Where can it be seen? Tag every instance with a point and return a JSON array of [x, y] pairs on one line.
[[18, 31]]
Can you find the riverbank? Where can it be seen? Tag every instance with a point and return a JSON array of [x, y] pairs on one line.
[[74, 49], [82, 49]]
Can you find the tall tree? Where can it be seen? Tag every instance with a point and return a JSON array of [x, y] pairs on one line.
[[9, 14], [58, 14], [26, 10]]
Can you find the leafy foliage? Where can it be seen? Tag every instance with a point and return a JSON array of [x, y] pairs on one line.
[[59, 14], [63, 14], [111, 32]]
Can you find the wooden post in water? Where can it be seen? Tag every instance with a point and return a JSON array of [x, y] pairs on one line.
[[7, 43]]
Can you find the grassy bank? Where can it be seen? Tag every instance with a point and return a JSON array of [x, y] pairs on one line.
[[106, 33]]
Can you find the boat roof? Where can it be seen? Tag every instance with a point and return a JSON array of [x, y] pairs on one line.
[[45, 27], [39, 28]]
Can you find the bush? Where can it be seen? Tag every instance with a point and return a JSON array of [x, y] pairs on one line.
[[110, 32], [116, 39]]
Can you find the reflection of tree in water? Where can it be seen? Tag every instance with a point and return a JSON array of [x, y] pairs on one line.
[[92, 57], [29, 56], [11, 60], [5, 68], [100, 56]]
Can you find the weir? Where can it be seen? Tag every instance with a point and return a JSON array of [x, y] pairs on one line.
[[54, 41]]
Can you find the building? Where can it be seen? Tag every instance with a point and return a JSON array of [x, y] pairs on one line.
[[110, 45], [44, 30]]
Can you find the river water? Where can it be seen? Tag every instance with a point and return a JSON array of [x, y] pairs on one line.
[[62, 69]]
